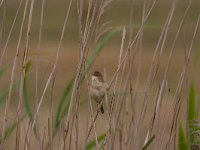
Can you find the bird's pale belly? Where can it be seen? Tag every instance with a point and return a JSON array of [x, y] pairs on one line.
[[96, 95]]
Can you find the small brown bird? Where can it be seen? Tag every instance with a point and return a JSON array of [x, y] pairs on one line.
[[98, 88]]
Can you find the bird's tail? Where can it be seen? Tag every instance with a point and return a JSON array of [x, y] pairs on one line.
[[102, 109]]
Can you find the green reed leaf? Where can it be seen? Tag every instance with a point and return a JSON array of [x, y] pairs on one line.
[[182, 142], [26, 98]]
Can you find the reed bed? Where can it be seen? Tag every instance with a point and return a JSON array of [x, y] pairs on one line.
[[150, 104]]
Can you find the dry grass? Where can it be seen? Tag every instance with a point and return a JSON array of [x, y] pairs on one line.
[[44, 86]]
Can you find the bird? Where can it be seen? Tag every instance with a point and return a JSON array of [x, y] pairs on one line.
[[98, 88]]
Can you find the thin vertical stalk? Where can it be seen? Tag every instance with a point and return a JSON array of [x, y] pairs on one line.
[[37, 66], [2, 28], [38, 50], [14, 67], [174, 43], [28, 33], [153, 68], [56, 61], [10, 33]]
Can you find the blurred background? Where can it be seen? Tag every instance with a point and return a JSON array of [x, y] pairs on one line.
[[118, 13], [119, 16]]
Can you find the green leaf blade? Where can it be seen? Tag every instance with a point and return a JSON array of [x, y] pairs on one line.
[[191, 115], [92, 143], [191, 104], [182, 142], [26, 98]]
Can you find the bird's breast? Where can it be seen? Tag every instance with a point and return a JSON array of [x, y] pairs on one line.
[[94, 94]]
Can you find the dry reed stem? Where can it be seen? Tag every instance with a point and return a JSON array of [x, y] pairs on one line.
[[102, 28], [38, 50], [82, 58], [173, 46], [28, 33], [2, 1], [50, 120], [77, 125], [117, 100], [144, 21], [53, 69], [10, 33], [133, 99], [70, 133], [85, 35], [132, 43], [2, 30], [55, 63], [137, 35], [14, 68], [115, 103], [88, 114], [118, 103], [177, 103], [184, 72], [37, 77], [153, 70], [118, 111], [63, 134], [119, 107], [44, 138], [94, 118], [115, 84], [112, 103], [92, 123]]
